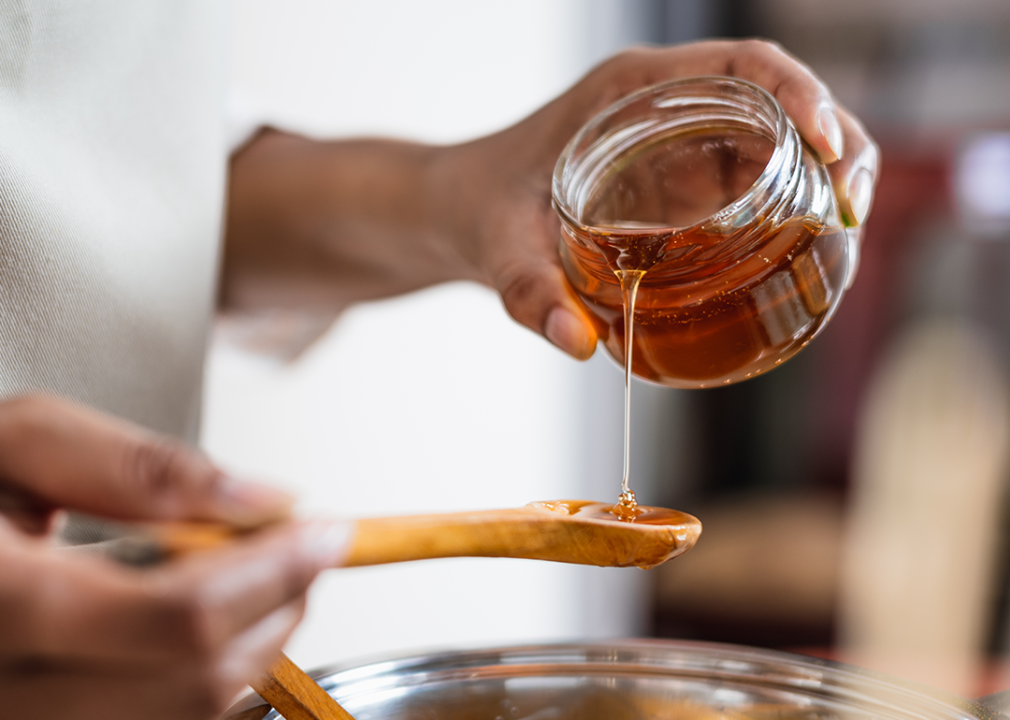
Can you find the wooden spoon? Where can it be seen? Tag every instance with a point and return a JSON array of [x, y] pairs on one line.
[[569, 531], [296, 696]]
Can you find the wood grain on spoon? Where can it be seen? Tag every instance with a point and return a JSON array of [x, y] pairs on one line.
[[296, 696], [570, 531]]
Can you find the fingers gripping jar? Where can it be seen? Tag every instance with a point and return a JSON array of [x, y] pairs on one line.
[[704, 190]]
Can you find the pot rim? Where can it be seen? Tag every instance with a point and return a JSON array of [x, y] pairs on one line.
[[648, 657]]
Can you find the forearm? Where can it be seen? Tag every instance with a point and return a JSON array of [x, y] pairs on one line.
[[318, 225]]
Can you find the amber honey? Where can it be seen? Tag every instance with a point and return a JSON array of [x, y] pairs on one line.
[[701, 324], [640, 514]]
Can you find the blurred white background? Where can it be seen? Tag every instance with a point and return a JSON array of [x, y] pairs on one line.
[[436, 401]]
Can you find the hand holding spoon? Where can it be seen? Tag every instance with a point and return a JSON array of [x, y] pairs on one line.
[[570, 531]]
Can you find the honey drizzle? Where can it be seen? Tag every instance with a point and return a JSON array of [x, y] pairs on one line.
[[629, 255], [630, 279]]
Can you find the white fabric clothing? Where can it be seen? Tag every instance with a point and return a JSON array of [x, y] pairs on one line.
[[113, 159]]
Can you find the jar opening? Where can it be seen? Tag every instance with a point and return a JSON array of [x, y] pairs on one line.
[[674, 156]]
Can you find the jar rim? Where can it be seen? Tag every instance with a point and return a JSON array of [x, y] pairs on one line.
[[780, 126]]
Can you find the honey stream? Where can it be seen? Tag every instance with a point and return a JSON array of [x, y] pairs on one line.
[[627, 506]]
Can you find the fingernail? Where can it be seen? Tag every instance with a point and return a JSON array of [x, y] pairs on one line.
[[855, 205], [251, 503], [567, 333], [853, 236], [860, 195], [326, 542], [827, 123]]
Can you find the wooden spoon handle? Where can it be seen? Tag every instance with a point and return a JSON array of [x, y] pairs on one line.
[[517, 533], [378, 541], [297, 696]]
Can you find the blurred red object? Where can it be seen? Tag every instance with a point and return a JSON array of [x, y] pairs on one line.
[[914, 190]]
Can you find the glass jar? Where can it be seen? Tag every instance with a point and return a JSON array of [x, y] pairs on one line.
[[704, 188]]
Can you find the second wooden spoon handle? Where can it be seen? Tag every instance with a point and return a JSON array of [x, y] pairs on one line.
[[296, 696]]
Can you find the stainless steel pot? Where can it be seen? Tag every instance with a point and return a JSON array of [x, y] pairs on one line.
[[628, 680]]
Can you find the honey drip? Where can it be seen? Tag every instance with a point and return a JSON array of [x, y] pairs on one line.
[[629, 261], [627, 508], [630, 279]]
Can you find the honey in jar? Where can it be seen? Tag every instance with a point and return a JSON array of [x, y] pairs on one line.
[[694, 208]]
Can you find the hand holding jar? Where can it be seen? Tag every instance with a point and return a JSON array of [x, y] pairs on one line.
[[507, 231]]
